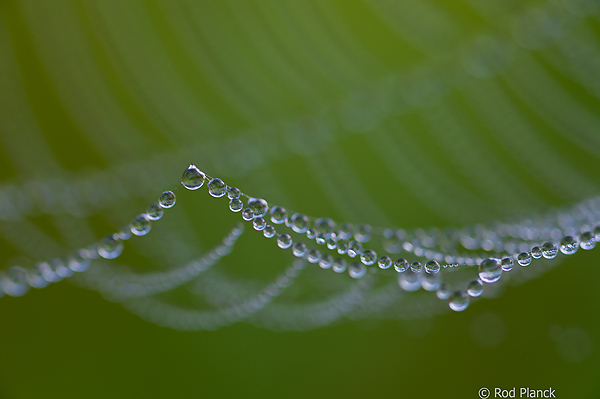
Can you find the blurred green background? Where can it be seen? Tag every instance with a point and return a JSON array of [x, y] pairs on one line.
[[411, 114]]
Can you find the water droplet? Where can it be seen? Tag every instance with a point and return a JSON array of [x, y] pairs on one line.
[[368, 257], [284, 241], [140, 226], [325, 226], [597, 233], [311, 234], [326, 261], [313, 256], [193, 178], [490, 270], [269, 231], [587, 241], [259, 206], [475, 288], [339, 265], [342, 247], [385, 262], [357, 270], [278, 214], [416, 267], [569, 245], [154, 212], [109, 247], [431, 282], [362, 232], [167, 199], [354, 248], [233, 192], [331, 244], [259, 224], [236, 205], [432, 267], [247, 214], [409, 281], [549, 250], [345, 231], [524, 259], [443, 292], [459, 301], [217, 187], [320, 239], [401, 265], [61, 268], [536, 252], [299, 223], [507, 264], [299, 249], [77, 262], [124, 233]]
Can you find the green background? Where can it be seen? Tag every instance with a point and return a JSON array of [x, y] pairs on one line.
[[297, 101]]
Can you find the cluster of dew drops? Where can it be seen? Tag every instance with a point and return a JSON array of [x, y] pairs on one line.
[[411, 279]]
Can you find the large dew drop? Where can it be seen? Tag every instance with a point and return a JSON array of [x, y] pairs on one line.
[[258, 206], [459, 301], [167, 199], [193, 178], [549, 250], [409, 281], [357, 270], [569, 245], [217, 187], [110, 247], [490, 270], [140, 226]]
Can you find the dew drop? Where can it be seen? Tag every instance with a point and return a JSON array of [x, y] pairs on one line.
[[259, 224], [284, 241], [259, 206], [597, 233], [431, 282], [110, 247], [587, 241], [345, 231], [233, 192], [313, 256], [507, 264], [569, 245], [459, 301], [331, 244], [193, 178], [217, 187], [416, 267], [362, 232], [299, 223], [299, 249], [124, 233], [443, 292], [236, 205], [354, 248], [342, 247], [311, 234], [432, 267], [247, 214], [401, 265], [368, 257], [78, 262], [325, 226], [167, 199], [490, 270], [140, 226], [536, 252], [409, 281], [549, 250], [320, 239], [278, 215], [357, 270], [524, 259], [385, 262], [269, 231], [339, 265], [326, 261], [475, 288], [154, 212]]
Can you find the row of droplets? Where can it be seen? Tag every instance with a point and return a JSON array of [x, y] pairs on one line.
[[17, 280], [324, 232]]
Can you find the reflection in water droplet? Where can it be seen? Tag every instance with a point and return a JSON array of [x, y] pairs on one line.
[[193, 178]]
